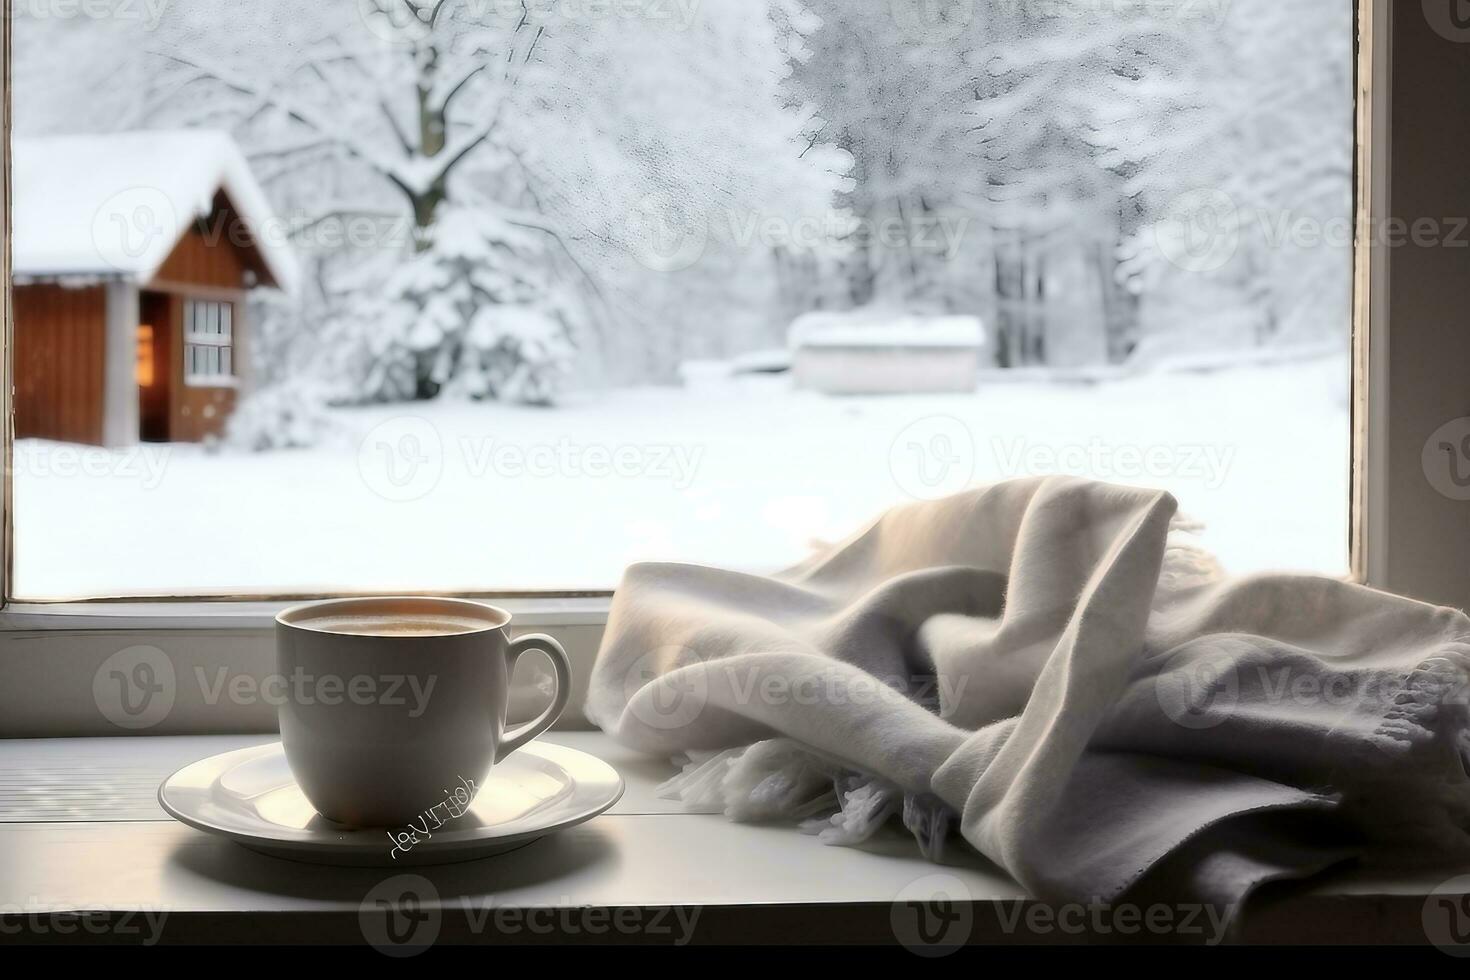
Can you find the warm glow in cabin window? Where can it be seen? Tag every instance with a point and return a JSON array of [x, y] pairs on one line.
[[145, 356]]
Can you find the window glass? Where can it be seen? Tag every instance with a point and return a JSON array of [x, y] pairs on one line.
[[528, 291], [208, 357]]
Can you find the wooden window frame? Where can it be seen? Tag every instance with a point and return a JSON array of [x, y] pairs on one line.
[[204, 340], [1405, 385]]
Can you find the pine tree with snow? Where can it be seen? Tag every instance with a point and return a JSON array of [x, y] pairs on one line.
[[473, 313]]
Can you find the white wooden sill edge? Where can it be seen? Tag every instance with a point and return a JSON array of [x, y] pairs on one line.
[[772, 882]]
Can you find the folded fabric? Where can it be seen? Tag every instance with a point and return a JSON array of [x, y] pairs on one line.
[[1054, 662]]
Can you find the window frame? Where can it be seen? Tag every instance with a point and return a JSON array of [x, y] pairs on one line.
[[222, 341], [50, 652], [1372, 85]]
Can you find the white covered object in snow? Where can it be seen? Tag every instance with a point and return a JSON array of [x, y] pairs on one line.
[[870, 353], [116, 204]]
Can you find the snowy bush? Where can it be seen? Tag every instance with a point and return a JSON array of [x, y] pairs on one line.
[[472, 314], [285, 416]]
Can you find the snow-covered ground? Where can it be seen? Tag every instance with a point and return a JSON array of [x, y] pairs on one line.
[[744, 473]]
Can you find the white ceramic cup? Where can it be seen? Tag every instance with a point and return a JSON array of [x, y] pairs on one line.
[[379, 729]]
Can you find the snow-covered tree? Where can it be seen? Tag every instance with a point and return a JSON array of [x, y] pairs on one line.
[[471, 310], [892, 101], [1294, 189], [1076, 105], [393, 99], [1063, 134], [670, 150]]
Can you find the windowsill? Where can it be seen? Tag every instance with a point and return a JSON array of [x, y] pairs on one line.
[[747, 883]]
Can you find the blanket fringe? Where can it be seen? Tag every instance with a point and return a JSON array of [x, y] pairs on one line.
[[1188, 565], [1423, 798], [779, 780]]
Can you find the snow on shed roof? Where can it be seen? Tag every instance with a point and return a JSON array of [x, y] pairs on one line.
[[117, 204], [864, 328]]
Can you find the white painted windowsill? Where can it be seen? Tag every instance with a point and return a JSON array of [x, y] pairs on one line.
[[100, 844]]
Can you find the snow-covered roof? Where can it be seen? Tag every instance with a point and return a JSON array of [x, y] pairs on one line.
[[861, 328], [117, 204]]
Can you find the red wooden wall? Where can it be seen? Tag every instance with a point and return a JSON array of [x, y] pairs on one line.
[[59, 351]]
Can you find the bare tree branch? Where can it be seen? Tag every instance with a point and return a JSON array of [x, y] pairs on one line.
[[303, 116], [458, 86]]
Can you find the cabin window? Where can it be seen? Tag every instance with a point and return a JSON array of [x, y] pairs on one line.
[[209, 346]]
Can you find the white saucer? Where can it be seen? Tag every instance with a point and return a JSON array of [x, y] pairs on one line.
[[250, 797]]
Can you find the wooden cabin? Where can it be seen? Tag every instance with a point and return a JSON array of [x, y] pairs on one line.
[[132, 257]]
